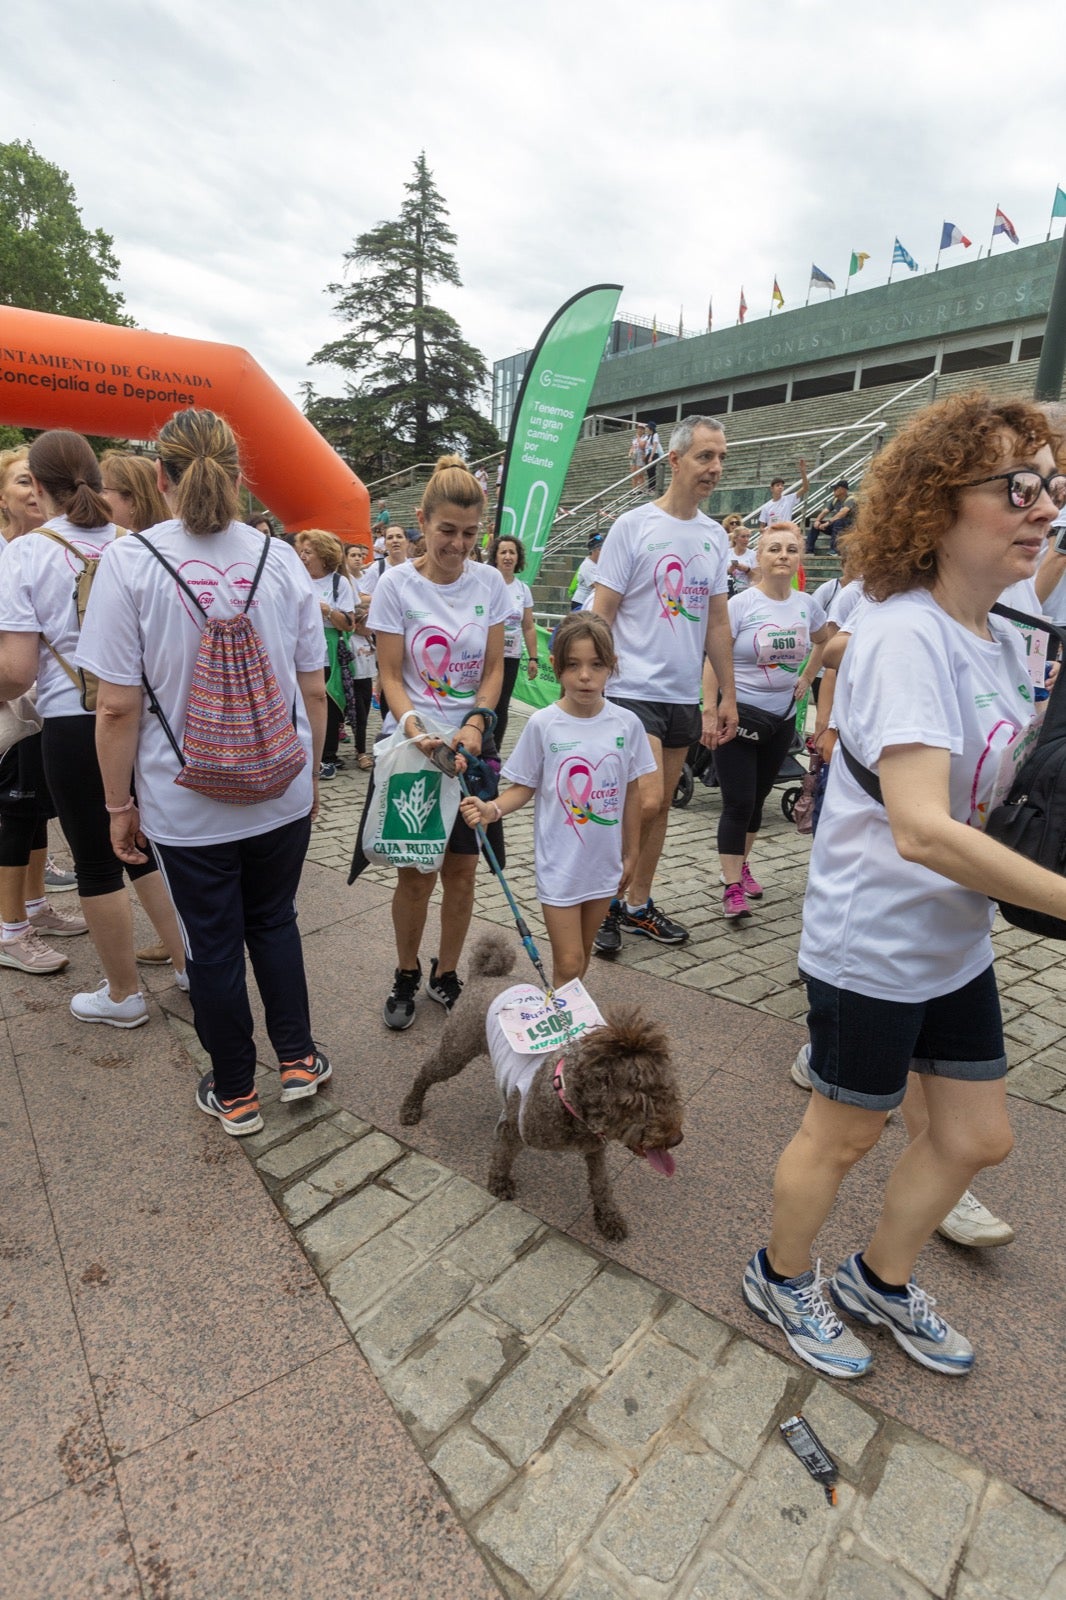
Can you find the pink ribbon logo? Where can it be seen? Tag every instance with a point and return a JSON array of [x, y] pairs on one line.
[[574, 788], [578, 782], [434, 653]]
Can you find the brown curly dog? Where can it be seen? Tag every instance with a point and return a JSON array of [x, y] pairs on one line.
[[614, 1082]]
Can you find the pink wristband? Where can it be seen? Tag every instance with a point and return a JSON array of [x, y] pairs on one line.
[[116, 811]]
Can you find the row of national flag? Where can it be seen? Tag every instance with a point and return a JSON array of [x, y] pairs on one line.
[[950, 234]]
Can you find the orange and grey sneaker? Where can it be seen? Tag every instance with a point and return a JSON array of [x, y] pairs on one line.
[[238, 1116], [300, 1079]]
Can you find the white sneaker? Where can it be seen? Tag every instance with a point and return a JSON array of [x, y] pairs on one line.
[[98, 1006], [182, 981], [970, 1223], [800, 1070]]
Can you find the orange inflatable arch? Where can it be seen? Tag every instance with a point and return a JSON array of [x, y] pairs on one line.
[[60, 372]]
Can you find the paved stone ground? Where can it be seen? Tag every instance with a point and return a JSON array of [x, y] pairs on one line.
[[600, 1437], [755, 964]]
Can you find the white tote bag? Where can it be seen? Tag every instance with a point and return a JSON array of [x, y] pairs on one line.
[[413, 806]]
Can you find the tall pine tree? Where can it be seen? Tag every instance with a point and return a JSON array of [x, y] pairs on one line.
[[415, 382]]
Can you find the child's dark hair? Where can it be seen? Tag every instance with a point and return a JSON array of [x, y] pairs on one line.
[[508, 538], [575, 628]]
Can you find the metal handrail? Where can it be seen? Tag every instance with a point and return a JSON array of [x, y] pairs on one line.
[[426, 466]]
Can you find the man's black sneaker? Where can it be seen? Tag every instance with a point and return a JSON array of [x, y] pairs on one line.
[[444, 987], [650, 922], [399, 1012], [608, 940]]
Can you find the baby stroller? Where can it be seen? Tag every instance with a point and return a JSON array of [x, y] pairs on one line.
[[699, 765]]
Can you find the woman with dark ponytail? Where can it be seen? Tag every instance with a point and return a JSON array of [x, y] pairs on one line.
[[39, 636]]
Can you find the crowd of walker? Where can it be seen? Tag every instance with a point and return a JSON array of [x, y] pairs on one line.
[[121, 580]]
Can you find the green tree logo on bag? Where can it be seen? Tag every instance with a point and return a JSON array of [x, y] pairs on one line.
[[413, 808]]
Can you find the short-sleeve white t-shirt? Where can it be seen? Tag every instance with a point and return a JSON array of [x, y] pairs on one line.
[[771, 641], [323, 588], [37, 596], [666, 570], [745, 561], [139, 620], [587, 574], [779, 510], [445, 629], [873, 922], [580, 768], [519, 597], [845, 601]]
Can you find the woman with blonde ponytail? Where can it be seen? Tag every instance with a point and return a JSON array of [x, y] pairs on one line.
[[438, 621], [39, 637], [233, 869]]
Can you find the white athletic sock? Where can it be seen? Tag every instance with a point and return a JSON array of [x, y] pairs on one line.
[[33, 906], [13, 930]]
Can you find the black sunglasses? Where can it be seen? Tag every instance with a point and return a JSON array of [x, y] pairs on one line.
[[1024, 486]]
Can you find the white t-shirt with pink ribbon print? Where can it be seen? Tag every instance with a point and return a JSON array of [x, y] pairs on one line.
[[580, 768], [445, 629], [37, 596], [873, 922], [139, 620], [666, 569], [771, 641]]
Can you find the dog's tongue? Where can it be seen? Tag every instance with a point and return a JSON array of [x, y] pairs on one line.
[[662, 1161]]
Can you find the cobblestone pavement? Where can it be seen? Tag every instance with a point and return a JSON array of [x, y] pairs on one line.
[[600, 1437], [756, 964]]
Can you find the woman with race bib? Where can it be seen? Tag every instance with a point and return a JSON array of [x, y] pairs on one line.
[[778, 633], [439, 622], [934, 700]]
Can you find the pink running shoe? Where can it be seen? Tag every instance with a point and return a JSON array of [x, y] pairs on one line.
[[752, 889], [734, 904]]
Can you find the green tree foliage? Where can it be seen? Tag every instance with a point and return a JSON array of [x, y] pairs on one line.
[[414, 381], [49, 261]]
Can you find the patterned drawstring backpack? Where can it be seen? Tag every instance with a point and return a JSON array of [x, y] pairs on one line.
[[240, 743]]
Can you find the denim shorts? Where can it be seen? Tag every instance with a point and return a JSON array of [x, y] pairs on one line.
[[862, 1049], [675, 727]]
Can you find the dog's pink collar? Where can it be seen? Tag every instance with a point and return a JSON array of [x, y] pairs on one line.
[[559, 1085]]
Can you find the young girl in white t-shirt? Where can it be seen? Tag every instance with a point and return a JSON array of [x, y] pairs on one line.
[[582, 758]]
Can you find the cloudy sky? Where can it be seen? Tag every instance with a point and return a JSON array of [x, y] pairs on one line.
[[234, 150]]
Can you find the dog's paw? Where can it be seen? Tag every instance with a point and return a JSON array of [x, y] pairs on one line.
[[411, 1110], [502, 1188], [611, 1224]]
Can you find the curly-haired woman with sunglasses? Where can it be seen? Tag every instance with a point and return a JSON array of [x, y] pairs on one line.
[[934, 697]]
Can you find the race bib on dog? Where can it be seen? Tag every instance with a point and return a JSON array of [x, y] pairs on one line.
[[533, 1024]]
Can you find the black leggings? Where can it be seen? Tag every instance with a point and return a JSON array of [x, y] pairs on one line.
[[69, 747], [746, 773], [20, 834], [362, 688], [503, 704], [334, 718]]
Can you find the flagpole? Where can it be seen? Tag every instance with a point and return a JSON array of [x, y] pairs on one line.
[[992, 240], [936, 267]]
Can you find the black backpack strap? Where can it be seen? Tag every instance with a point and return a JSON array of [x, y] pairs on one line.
[[867, 781], [1027, 620], [174, 573], [258, 575]]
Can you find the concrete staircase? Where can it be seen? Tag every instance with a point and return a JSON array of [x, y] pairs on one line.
[[600, 462]]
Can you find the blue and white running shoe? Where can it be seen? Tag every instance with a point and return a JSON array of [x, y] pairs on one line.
[[807, 1320], [909, 1318]]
